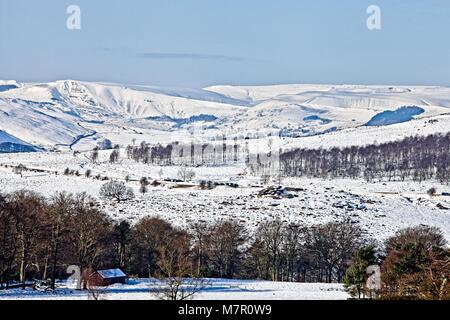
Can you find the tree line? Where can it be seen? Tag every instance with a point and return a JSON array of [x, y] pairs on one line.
[[192, 154], [418, 158], [40, 237], [415, 158]]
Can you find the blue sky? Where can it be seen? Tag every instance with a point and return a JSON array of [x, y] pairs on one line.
[[195, 43]]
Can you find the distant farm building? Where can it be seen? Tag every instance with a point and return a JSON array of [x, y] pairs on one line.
[[108, 277]]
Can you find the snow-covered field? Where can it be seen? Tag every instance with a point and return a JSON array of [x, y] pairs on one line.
[[216, 289], [380, 208]]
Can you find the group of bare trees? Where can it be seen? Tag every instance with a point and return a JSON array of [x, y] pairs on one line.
[[194, 154], [418, 158], [115, 154], [40, 238], [226, 249], [276, 251], [288, 252]]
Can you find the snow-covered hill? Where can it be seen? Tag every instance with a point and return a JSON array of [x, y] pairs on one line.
[[10, 144], [6, 85], [63, 112], [335, 107], [54, 113]]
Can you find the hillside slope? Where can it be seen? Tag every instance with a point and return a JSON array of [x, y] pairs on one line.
[[63, 112]]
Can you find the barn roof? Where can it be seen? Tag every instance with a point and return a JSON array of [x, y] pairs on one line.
[[111, 273]]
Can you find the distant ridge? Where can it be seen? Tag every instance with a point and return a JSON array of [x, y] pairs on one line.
[[59, 113]]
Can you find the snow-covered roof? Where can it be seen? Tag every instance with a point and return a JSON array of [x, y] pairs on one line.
[[111, 273]]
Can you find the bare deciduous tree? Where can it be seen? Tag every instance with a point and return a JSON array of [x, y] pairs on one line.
[[94, 155], [114, 156], [186, 174], [144, 184], [223, 244], [90, 232], [116, 190], [177, 273]]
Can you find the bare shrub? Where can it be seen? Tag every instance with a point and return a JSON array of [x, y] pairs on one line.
[[186, 174], [116, 190]]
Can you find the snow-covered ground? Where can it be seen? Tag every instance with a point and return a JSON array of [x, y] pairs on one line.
[[380, 208], [216, 289]]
